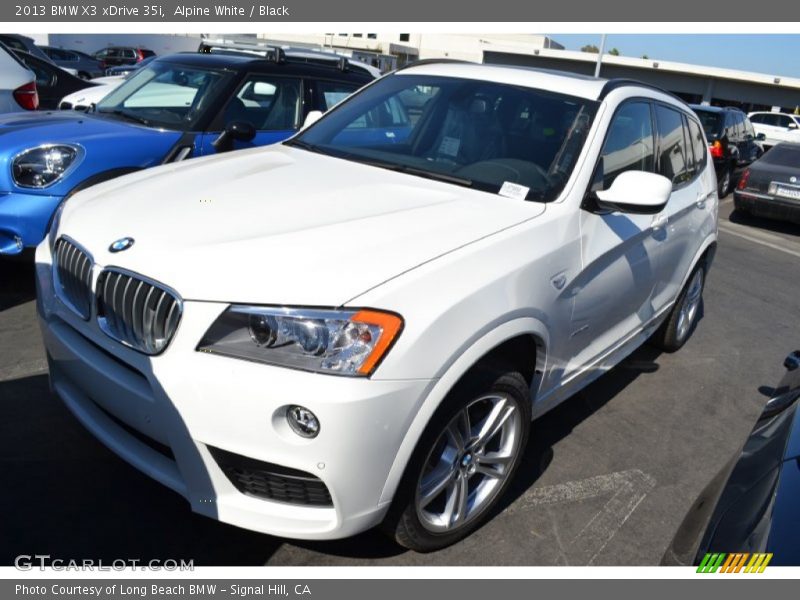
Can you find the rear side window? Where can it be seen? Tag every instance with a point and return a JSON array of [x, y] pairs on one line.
[[629, 144], [698, 142], [783, 155], [759, 118], [674, 159]]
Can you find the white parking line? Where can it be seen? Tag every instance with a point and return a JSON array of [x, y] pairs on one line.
[[758, 237], [627, 490]]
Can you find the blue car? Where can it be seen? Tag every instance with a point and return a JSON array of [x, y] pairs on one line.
[[177, 107]]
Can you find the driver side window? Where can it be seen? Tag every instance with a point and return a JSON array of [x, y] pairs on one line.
[[629, 144]]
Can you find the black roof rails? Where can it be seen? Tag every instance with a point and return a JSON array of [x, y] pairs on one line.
[[613, 84]]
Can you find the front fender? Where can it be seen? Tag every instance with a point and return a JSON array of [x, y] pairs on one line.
[[460, 365]]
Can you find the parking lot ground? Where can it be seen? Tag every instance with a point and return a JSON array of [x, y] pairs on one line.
[[607, 478]]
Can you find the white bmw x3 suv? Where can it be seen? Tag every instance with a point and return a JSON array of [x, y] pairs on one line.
[[357, 326]]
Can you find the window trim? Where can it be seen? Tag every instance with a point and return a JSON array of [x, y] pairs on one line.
[[690, 181]]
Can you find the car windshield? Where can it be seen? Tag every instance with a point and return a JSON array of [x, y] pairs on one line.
[[711, 122], [164, 95], [783, 155], [493, 137]]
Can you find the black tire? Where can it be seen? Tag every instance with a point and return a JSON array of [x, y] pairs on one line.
[[725, 183], [673, 334], [403, 522]]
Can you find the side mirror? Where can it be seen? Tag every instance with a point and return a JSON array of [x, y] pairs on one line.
[[761, 137], [312, 117], [235, 131], [792, 126], [637, 192]]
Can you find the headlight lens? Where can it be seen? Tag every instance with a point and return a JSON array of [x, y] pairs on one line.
[[42, 166], [339, 342]]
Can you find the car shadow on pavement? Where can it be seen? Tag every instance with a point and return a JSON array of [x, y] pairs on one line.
[[17, 283], [772, 225], [67, 496]]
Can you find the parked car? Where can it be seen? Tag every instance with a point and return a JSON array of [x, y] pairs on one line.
[[52, 82], [86, 66], [751, 505], [732, 141], [85, 99], [178, 107], [125, 70], [17, 84], [771, 186], [114, 56], [776, 127], [355, 327]]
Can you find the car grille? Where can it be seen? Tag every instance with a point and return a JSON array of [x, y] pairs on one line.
[[73, 277], [140, 314], [271, 482]]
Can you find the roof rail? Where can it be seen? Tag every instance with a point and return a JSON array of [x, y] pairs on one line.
[[433, 61], [273, 53], [613, 84]]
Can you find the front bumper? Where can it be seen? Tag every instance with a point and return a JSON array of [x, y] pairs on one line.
[[770, 207], [193, 403], [24, 219]]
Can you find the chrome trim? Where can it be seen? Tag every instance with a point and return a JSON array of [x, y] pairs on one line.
[[129, 326], [60, 289]]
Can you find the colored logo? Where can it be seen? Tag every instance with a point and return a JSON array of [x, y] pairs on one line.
[[122, 244], [734, 563]]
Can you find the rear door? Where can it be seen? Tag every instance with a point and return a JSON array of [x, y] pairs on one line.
[[682, 158]]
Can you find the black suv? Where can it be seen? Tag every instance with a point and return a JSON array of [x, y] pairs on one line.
[[114, 56], [731, 140]]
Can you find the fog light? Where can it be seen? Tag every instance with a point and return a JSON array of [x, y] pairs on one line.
[[302, 421]]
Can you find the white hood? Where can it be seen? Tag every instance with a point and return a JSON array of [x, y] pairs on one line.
[[280, 225]]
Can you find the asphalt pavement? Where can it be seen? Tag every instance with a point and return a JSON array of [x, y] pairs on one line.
[[607, 478]]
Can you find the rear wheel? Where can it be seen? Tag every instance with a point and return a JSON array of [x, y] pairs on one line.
[[672, 335], [464, 461], [724, 187]]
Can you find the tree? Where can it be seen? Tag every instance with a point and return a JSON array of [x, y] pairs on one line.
[[644, 56], [614, 52], [591, 48]]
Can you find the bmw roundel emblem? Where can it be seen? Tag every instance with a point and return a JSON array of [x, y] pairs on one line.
[[792, 179], [121, 244]]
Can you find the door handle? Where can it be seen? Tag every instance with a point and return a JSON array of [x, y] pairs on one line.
[[659, 221], [701, 199]]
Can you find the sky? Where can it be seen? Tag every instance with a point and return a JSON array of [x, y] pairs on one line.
[[770, 54]]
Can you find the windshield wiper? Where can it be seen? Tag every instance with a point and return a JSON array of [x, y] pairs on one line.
[[463, 181], [303, 145], [125, 115]]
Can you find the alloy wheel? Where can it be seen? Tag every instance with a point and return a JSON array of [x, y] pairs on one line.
[[690, 305]]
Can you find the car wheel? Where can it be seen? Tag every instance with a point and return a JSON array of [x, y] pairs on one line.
[[680, 323], [464, 461], [725, 183]]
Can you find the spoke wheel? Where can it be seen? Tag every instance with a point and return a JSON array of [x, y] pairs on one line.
[[690, 305], [464, 461], [683, 317], [468, 463]]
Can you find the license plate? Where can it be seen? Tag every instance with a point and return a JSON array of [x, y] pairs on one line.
[[787, 192]]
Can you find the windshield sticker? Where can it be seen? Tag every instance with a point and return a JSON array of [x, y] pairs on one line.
[[450, 146], [514, 190]]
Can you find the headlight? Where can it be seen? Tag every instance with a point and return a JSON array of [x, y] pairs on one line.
[[42, 166], [339, 342]]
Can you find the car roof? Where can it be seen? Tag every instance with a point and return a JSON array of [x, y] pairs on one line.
[[715, 109]]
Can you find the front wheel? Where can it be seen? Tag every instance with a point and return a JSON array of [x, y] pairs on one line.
[[464, 461], [680, 323]]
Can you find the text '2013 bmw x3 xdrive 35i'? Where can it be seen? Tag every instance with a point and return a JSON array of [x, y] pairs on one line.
[[357, 326]]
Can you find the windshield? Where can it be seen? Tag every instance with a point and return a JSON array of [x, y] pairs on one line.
[[488, 136], [164, 95], [711, 122]]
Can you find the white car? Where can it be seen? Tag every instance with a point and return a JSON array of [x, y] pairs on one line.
[[83, 100], [17, 84], [776, 127], [356, 327]]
